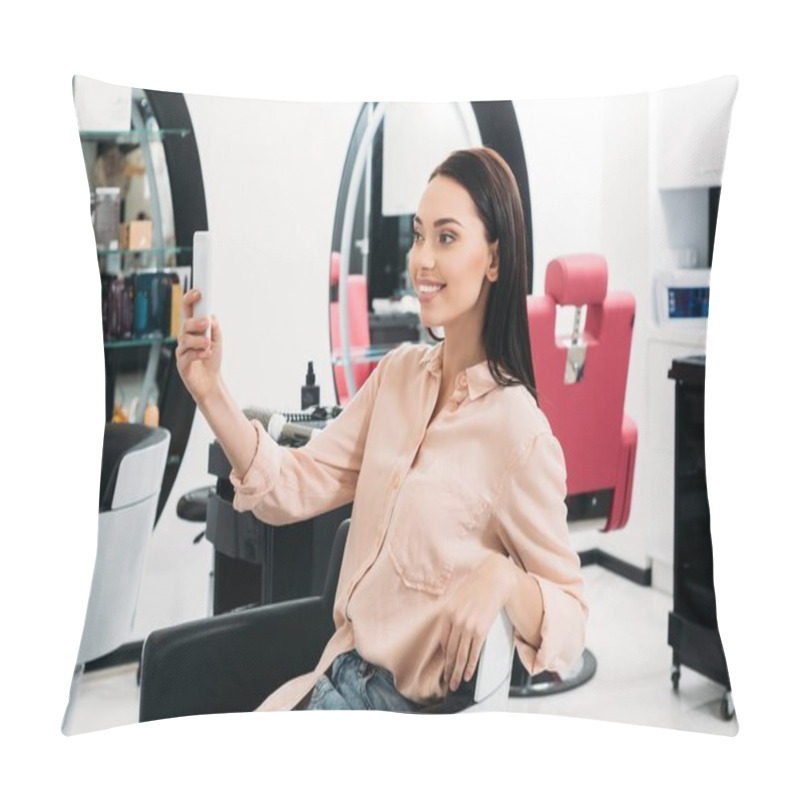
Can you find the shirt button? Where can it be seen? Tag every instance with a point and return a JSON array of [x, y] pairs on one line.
[[462, 381], [452, 405], [396, 482]]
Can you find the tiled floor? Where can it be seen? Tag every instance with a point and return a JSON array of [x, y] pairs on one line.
[[627, 634]]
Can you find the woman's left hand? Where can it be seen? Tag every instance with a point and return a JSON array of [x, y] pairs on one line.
[[469, 613]]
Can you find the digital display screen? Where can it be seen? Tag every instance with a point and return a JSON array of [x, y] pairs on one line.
[[687, 302]]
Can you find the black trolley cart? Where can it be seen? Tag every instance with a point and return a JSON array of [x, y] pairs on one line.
[[693, 633]]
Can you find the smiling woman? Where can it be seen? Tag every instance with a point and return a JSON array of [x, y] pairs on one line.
[[486, 228], [373, 307], [457, 482]]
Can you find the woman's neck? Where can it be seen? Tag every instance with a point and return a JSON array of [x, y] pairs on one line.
[[459, 353]]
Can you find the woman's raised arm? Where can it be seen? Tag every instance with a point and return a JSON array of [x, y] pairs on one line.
[[278, 484]]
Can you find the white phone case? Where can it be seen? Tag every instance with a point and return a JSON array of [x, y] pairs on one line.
[[201, 274]]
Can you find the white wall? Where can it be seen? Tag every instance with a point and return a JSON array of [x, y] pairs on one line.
[[626, 235], [563, 143]]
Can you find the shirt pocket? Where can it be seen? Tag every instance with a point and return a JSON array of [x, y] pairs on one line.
[[428, 539]]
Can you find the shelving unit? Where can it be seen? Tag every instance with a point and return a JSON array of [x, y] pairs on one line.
[[139, 355]]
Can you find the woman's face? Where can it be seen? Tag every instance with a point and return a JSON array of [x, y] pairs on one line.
[[451, 263]]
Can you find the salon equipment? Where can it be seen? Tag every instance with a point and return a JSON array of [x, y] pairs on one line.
[[681, 298], [693, 633], [296, 432], [134, 457], [231, 663], [256, 563], [580, 385], [131, 473]]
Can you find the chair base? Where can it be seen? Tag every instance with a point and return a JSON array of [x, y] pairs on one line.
[[547, 683]]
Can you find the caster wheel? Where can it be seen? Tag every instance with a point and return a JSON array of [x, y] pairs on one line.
[[676, 677], [727, 711]]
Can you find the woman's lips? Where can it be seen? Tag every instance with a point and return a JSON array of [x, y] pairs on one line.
[[427, 291]]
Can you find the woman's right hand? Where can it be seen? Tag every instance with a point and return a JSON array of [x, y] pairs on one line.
[[198, 357]]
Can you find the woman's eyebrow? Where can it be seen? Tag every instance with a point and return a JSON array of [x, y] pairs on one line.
[[440, 222]]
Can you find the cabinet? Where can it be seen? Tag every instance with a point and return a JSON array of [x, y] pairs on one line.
[[256, 563], [692, 632], [146, 186], [692, 132]]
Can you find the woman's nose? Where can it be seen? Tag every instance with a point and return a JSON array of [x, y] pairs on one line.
[[423, 255]]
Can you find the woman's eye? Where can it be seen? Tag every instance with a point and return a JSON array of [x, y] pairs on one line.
[[446, 238], [416, 236]]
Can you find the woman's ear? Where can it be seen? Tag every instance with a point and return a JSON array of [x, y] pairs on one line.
[[493, 271]]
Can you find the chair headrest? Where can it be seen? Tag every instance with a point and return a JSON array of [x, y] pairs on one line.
[[577, 280]]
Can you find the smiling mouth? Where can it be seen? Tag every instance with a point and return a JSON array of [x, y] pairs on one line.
[[428, 289]]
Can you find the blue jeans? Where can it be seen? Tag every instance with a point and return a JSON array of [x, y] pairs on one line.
[[355, 684]]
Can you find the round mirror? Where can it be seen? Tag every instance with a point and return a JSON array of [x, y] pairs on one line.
[[393, 150]]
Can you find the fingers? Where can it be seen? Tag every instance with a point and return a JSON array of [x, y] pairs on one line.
[[199, 346], [216, 333], [472, 661], [189, 299], [195, 325], [461, 654], [193, 339]]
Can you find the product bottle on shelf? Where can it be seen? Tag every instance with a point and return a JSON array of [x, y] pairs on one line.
[[151, 412], [309, 394]]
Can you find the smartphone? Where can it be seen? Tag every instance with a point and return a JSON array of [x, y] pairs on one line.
[[201, 274]]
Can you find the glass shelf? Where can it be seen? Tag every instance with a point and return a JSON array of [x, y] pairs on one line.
[[363, 355], [114, 344], [152, 251], [133, 137]]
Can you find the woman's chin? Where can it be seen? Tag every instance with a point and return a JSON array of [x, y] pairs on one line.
[[430, 321]]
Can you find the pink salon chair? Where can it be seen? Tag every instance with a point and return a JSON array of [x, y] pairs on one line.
[[358, 316], [580, 383]]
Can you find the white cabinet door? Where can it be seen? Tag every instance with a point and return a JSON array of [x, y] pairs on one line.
[[692, 133]]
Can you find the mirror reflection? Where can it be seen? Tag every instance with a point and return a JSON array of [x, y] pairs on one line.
[[372, 304]]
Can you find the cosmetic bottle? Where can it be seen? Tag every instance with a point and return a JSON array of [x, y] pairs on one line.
[[309, 394], [151, 414]]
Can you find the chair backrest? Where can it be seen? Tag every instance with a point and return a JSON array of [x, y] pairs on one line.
[[358, 318], [493, 678], [334, 567], [134, 458], [129, 468], [586, 415]]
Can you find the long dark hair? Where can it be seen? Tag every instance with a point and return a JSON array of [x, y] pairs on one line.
[[493, 188]]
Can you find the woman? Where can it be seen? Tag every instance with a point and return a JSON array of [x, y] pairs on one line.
[[456, 480]]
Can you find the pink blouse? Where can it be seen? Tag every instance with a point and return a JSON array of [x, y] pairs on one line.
[[431, 500]]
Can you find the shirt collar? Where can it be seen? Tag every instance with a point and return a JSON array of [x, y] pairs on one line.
[[479, 378]]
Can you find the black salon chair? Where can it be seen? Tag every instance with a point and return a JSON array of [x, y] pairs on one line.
[[231, 662]]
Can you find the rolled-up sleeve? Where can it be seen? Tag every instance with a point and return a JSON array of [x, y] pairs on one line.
[[285, 485], [531, 517]]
